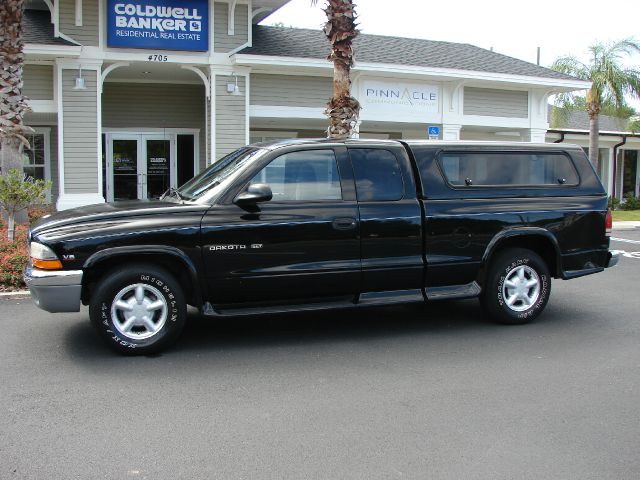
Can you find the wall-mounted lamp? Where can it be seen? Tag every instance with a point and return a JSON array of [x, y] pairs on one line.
[[233, 88], [80, 83]]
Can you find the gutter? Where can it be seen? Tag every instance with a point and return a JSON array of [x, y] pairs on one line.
[[561, 139]]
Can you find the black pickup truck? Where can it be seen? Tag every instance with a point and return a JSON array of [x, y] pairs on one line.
[[319, 224]]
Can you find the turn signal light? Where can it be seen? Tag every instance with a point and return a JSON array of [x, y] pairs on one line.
[[46, 264], [608, 223], [43, 257]]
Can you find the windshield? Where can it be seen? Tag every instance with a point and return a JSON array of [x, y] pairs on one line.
[[217, 173]]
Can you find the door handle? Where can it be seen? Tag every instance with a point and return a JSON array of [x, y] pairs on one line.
[[344, 223]]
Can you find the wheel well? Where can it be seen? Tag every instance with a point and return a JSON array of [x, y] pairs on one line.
[[536, 243], [173, 265]]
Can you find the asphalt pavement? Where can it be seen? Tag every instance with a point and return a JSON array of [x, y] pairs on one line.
[[424, 392]]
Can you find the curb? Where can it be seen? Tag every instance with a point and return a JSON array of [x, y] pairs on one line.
[[17, 293]]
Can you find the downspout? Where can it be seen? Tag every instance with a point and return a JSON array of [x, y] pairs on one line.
[[561, 139], [615, 163]]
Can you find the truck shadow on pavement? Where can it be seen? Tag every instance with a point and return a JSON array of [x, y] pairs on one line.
[[213, 336]]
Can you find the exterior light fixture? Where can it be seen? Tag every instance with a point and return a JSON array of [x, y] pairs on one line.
[[233, 88], [80, 83]]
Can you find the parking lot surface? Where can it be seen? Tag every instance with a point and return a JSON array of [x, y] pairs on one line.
[[430, 391]]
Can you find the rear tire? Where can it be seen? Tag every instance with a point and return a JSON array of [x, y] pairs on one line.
[[517, 287], [138, 309]]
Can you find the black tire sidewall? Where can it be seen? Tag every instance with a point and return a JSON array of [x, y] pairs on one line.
[[102, 299], [493, 298]]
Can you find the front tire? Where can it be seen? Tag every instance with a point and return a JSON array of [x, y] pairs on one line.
[[138, 309], [517, 287]]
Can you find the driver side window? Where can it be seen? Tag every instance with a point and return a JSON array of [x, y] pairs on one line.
[[302, 176]]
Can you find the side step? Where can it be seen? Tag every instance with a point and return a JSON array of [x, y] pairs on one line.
[[368, 299], [450, 292]]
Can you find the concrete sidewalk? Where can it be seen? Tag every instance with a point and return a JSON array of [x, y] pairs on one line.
[[625, 225]]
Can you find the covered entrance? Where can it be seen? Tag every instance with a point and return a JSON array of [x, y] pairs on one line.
[[144, 165]]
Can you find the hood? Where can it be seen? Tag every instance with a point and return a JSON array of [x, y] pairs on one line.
[[113, 212]]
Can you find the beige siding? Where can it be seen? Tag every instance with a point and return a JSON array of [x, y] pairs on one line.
[[231, 124], [80, 133], [38, 82], [88, 33], [496, 103], [290, 90], [155, 105], [223, 42]]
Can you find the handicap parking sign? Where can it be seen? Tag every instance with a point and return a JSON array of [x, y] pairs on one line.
[[434, 132]]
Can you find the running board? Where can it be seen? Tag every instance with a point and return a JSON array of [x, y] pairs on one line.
[[368, 299], [450, 292]]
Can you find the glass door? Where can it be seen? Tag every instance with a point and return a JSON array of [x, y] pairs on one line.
[[140, 166], [157, 174], [124, 170]]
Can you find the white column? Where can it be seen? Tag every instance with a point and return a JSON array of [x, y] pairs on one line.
[[451, 132], [537, 135], [79, 133]]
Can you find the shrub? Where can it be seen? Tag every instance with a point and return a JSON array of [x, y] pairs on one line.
[[630, 203], [614, 203], [13, 257]]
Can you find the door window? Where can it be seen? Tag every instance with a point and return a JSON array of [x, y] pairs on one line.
[[158, 168], [306, 175], [125, 169], [34, 157], [378, 175]]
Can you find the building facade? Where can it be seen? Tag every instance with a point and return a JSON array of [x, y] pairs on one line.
[[131, 97]]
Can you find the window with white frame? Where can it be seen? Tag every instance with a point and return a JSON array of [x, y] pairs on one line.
[[34, 157]]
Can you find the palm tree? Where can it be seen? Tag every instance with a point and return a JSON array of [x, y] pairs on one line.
[[343, 110], [610, 81], [13, 105]]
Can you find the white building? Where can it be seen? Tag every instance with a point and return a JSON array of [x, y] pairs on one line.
[[129, 99]]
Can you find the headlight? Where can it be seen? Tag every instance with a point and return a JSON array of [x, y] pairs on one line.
[[43, 257]]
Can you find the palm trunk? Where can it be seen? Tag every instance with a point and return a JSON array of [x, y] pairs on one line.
[[13, 105], [343, 110], [10, 154]]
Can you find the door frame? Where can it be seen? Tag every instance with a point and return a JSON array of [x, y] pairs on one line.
[[139, 134]]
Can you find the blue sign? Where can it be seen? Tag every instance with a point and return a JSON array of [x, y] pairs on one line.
[[158, 24], [433, 131]]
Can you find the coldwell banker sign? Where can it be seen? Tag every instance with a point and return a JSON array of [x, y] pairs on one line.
[[381, 98], [158, 24]]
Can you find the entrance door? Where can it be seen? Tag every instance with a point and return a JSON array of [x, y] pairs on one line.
[[140, 166]]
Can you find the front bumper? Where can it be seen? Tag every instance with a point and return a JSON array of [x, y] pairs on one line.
[[612, 259], [56, 290]]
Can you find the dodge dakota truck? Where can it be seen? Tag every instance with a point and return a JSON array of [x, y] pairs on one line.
[[320, 224]]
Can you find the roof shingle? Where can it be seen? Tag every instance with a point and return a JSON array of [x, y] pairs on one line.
[[39, 29], [307, 43]]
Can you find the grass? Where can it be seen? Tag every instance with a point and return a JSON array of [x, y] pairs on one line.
[[626, 215]]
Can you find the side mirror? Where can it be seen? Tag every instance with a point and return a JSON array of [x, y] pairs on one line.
[[256, 193]]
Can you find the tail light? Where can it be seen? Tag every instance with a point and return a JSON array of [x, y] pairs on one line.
[[608, 223]]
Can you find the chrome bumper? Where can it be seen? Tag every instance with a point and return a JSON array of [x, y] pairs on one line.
[[56, 290], [613, 258]]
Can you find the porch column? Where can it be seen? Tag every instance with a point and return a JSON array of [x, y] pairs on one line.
[[451, 132], [229, 110], [537, 135], [79, 132]]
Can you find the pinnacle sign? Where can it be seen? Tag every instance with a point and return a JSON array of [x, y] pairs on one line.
[[158, 24]]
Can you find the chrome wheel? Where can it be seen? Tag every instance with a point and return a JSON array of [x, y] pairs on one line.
[[139, 311], [521, 288]]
